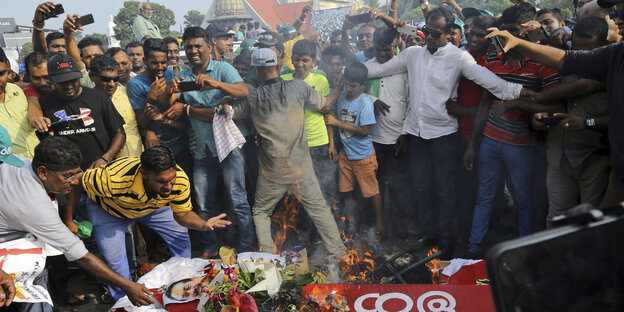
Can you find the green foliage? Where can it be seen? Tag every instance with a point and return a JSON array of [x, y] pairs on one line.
[[193, 18], [161, 16], [26, 49], [373, 4]]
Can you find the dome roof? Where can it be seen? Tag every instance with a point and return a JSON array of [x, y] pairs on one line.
[[228, 7]]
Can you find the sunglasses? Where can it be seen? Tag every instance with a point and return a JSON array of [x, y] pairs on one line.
[[616, 14], [109, 79], [432, 32]]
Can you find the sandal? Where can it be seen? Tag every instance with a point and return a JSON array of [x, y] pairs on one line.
[[145, 268]]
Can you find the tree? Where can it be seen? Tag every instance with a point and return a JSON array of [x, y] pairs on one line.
[[161, 16], [373, 4], [102, 37], [193, 18], [26, 49]]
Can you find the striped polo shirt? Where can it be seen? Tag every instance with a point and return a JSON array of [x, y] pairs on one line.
[[514, 127], [118, 188]]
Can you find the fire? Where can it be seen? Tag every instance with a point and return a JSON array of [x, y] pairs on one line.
[[357, 261], [286, 218], [434, 266]]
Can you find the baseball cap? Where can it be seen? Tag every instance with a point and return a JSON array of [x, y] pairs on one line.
[[6, 144], [468, 12], [62, 67], [263, 58], [267, 40], [248, 44], [608, 3], [287, 29], [217, 30]]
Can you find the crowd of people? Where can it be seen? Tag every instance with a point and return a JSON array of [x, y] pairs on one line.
[[415, 135]]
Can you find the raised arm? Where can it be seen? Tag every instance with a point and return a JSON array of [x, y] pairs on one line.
[[69, 28], [396, 65], [543, 54], [38, 35], [488, 80], [301, 20]]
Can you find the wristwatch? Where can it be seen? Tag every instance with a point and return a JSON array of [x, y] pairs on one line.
[[424, 5], [590, 122]]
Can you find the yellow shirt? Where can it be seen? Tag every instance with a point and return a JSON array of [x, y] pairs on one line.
[[316, 130], [288, 47], [14, 117], [133, 146], [118, 188]]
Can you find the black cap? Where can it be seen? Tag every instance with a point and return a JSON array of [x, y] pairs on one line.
[[216, 31], [62, 67], [608, 3], [266, 40]]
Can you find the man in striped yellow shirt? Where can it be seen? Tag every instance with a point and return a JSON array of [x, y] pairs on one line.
[[151, 190]]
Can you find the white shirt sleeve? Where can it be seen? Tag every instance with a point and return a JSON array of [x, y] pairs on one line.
[[396, 65], [502, 89]]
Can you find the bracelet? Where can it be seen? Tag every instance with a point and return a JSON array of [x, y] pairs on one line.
[[188, 109], [590, 122], [104, 159], [35, 23]]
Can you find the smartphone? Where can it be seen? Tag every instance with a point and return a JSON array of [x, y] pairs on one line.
[[86, 20], [359, 19], [186, 86], [496, 42], [409, 30], [58, 9], [551, 121], [538, 34]]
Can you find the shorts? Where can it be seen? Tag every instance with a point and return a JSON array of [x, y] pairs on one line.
[[364, 171]]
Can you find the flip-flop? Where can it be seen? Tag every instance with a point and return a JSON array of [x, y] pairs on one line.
[[107, 298]]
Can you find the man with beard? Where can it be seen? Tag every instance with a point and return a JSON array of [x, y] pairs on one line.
[[27, 208], [40, 84], [151, 190]]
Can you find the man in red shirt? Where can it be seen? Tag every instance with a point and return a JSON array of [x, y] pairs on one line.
[[40, 84], [508, 137], [468, 96]]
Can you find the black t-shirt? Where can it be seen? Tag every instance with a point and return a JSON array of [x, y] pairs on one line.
[[606, 64], [90, 121]]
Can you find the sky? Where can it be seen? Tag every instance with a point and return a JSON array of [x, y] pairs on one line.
[[23, 11]]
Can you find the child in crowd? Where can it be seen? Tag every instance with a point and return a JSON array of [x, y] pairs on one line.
[[357, 159], [320, 137]]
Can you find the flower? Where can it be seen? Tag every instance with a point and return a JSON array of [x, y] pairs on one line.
[[226, 278]]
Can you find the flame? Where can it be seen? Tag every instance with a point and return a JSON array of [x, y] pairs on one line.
[[286, 218], [434, 266], [357, 262]]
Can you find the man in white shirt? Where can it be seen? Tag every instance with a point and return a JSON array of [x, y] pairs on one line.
[[434, 72]]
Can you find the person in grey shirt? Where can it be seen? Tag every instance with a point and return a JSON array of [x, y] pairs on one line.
[[276, 109], [25, 207]]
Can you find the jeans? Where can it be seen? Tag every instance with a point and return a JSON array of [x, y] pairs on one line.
[[519, 163], [433, 168], [109, 233], [205, 174]]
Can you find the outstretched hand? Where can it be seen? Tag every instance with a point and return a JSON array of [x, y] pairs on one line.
[[508, 40], [216, 222]]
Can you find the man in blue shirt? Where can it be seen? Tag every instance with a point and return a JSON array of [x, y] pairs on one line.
[[217, 79], [144, 91]]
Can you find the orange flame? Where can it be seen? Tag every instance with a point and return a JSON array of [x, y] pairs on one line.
[[434, 266], [286, 218], [357, 262]]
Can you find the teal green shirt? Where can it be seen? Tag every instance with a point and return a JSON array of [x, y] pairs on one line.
[[142, 27], [204, 137]]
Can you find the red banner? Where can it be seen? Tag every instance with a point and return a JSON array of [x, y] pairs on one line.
[[408, 297]]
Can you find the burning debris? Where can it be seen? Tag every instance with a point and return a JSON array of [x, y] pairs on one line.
[[434, 266]]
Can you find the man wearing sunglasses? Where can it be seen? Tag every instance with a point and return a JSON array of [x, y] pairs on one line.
[[603, 64], [105, 75], [26, 208], [434, 73]]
